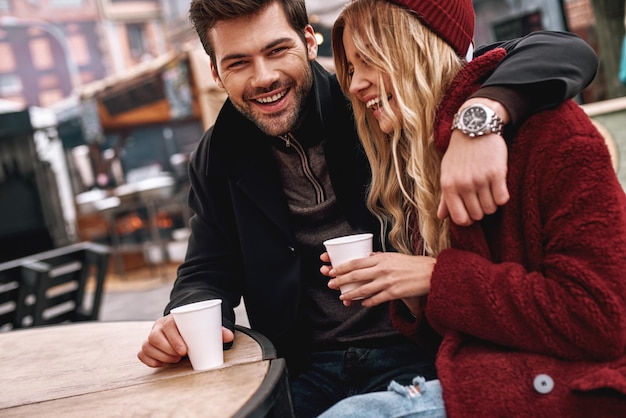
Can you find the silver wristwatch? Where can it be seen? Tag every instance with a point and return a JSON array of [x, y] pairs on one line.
[[477, 120]]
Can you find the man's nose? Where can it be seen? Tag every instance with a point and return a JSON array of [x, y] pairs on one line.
[[265, 74]]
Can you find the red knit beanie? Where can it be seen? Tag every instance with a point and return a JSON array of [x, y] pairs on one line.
[[452, 20]]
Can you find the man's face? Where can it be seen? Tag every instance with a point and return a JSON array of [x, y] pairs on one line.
[[264, 67]]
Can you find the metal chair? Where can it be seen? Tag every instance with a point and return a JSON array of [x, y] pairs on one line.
[[11, 298], [55, 286]]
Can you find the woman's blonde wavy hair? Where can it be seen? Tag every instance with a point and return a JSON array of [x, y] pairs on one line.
[[405, 191]]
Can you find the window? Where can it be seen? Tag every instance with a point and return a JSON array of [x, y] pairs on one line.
[[7, 63], [66, 3], [41, 54], [133, 1], [50, 97], [176, 9], [135, 33], [10, 85], [5, 5]]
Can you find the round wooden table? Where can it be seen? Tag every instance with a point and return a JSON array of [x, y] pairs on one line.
[[91, 370]]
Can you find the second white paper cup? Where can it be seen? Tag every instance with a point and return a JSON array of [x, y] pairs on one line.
[[346, 248], [200, 325]]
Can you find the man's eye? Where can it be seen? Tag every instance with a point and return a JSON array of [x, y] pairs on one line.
[[278, 50], [236, 64]]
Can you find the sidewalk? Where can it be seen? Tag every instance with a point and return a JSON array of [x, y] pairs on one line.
[[142, 296], [138, 296]]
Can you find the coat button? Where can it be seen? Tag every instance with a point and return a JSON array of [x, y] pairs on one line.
[[543, 384], [292, 250]]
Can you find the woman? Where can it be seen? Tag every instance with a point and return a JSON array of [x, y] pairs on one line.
[[530, 303]]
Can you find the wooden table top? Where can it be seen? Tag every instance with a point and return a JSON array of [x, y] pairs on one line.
[[91, 369]]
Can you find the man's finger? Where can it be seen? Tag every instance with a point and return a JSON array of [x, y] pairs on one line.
[[442, 210], [500, 192], [487, 203], [458, 212]]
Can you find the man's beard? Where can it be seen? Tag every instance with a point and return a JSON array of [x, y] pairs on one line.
[[286, 120]]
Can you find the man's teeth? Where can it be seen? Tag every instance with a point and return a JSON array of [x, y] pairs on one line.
[[272, 99]]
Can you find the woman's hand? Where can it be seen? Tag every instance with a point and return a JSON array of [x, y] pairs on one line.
[[383, 277]]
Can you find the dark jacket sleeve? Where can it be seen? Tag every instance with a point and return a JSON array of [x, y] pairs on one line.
[[540, 71], [209, 253]]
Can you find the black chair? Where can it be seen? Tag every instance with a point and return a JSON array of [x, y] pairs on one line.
[[11, 297], [55, 286]]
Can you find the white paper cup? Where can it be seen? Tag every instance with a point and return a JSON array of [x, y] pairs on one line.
[[200, 325], [346, 248]]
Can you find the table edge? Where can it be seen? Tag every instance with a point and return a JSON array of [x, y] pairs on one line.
[[268, 351]]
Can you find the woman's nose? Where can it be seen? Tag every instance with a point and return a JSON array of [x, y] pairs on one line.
[[357, 83]]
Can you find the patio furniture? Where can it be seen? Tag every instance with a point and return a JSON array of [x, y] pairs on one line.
[[60, 285]]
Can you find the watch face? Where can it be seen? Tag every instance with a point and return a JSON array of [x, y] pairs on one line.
[[474, 118]]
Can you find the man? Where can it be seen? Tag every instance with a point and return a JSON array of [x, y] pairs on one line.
[[282, 170]]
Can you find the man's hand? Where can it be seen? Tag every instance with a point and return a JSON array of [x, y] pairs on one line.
[[473, 173], [165, 345]]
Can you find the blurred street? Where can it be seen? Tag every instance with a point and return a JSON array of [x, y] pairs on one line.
[[142, 294]]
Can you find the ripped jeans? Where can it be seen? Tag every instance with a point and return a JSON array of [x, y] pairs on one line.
[[422, 399]]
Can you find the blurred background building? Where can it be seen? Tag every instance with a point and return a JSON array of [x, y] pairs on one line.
[[103, 100]]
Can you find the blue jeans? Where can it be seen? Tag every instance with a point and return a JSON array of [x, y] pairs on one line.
[[335, 375], [420, 400]]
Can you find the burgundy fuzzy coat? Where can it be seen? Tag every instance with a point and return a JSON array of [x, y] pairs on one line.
[[531, 302]]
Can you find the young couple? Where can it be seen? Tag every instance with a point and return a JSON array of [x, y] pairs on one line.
[[283, 169]]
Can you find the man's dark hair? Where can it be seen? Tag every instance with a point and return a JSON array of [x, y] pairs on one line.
[[205, 14]]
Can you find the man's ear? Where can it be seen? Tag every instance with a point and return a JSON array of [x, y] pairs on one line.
[[311, 42], [216, 76]]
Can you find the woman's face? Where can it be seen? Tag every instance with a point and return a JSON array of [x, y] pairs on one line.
[[364, 85]]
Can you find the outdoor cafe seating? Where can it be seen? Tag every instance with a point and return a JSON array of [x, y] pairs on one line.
[[56, 286], [58, 359]]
